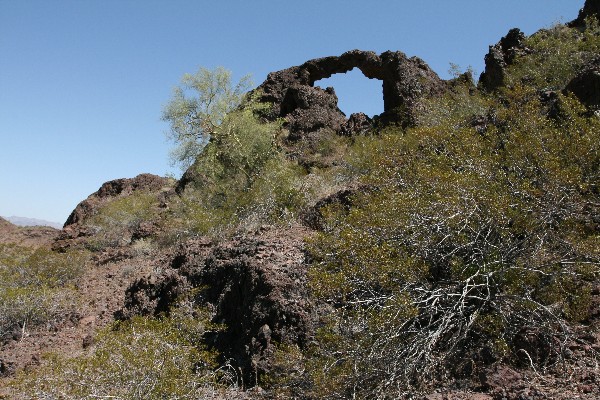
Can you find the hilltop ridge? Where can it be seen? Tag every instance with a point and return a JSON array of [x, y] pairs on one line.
[[445, 249]]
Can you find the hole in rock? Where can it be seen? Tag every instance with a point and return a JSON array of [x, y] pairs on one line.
[[355, 92]]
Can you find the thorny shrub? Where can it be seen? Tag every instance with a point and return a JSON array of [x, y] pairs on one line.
[[36, 287], [469, 238], [143, 358]]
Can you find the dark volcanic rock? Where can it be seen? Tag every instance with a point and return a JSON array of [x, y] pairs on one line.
[[75, 231], [313, 217], [7, 368], [115, 188], [499, 57], [591, 8], [309, 109], [586, 85], [153, 296], [256, 286], [357, 124], [292, 92]]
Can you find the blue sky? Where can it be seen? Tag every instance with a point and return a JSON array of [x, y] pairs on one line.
[[83, 83]]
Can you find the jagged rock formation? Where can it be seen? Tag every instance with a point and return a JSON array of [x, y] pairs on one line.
[[75, 230], [255, 285], [590, 8], [112, 189], [586, 85], [357, 124], [499, 57], [503, 53], [308, 108]]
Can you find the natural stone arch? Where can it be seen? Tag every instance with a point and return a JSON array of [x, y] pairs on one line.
[[308, 108], [356, 93]]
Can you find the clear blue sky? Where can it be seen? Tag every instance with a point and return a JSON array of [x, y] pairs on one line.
[[83, 83]]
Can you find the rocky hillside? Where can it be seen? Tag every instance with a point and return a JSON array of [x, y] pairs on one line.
[[446, 249], [30, 235]]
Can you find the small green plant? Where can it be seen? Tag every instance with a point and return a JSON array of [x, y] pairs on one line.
[[554, 55], [116, 220], [36, 287], [144, 358]]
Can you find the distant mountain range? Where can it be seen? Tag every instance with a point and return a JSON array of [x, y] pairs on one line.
[[24, 221]]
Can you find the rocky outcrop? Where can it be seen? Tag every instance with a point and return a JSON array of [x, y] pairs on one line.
[[591, 8], [254, 284], [358, 123], [30, 236], [112, 189], [76, 232], [586, 85], [308, 108], [501, 55]]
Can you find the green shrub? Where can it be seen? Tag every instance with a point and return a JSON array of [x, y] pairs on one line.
[[36, 287], [465, 239], [554, 55], [116, 220], [144, 358]]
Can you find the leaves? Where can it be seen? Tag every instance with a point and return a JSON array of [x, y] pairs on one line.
[[197, 109]]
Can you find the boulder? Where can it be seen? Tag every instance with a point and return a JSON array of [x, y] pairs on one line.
[[586, 85], [357, 124], [115, 188]]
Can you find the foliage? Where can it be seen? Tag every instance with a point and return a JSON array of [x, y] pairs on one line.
[[240, 177], [36, 287], [460, 106], [198, 108], [237, 152], [274, 196], [144, 358], [478, 226], [115, 221], [554, 55], [468, 237]]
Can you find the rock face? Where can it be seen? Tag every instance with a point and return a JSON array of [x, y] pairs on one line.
[[499, 57], [308, 108], [75, 231], [357, 124], [112, 189], [591, 8], [586, 85], [255, 285]]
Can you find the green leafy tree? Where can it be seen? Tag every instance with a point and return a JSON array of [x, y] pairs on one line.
[[197, 109]]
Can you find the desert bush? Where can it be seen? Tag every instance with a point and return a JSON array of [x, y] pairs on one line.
[[275, 196], [116, 220], [460, 105], [554, 55], [241, 178], [143, 358], [198, 108], [36, 287], [467, 239]]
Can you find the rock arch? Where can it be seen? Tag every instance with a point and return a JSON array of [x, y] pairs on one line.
[[308, 108]]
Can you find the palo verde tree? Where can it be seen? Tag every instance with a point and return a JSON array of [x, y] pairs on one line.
[[197, 109], [234, 169]]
